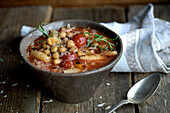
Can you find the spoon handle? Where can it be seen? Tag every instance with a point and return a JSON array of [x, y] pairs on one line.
[[118, 105]]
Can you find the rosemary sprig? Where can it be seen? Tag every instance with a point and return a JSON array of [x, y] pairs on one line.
[[41, 29], [99, 38], [88, 41], [40, 41]]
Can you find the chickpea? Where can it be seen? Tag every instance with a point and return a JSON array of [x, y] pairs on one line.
[[86, 33], [55, 55], [55, 36], [74, 49], [62, 29], [52, 32], [54, 49], [70, 44], [50, 58], [44, 46], [62, 49], [70, 35], [104, 46], [80, 53], [57, 41], [48, 47], [96, 44], [47, 52], [56, 61], [41, 50], [62, 34], [51, 41], [65, 40]]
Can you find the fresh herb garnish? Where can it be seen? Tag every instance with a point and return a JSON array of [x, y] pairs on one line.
[[41, 29], [88, 41], [99, 38], [40, 41]]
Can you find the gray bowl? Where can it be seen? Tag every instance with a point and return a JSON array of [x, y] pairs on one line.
[[73, 87]]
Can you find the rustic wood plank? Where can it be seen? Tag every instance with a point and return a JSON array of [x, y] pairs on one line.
[[98, 14], [72, 13], [109, 14], [16, 93], [160, 11], [159, 103], [110, 92], [8, 3]]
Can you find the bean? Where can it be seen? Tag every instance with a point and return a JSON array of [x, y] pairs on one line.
[[62, 49], [54, 49], [70, 35], [70, 44], [41, 50], [62, 34], [74, 49], [51, 41], [65, 40], [57, 41], [47, 52], [96, 44], [39, 55], [55, 55], [62, 29], [44, 46], [85, 33], [56, 61]]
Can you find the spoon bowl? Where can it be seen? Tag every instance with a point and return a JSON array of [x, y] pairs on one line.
[[144, 89], [141, 91]]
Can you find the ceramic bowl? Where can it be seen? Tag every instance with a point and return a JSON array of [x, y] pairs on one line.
[[72, 87]]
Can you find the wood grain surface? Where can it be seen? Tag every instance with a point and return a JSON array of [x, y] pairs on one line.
[[19, 90], [98, 14], [70, 3], [16, 93], [112, 91]]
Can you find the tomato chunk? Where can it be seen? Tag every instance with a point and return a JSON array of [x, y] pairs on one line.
[[67, 64], [69, 56], [79, 40]]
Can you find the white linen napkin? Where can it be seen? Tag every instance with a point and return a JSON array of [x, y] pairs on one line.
[[146, 43]]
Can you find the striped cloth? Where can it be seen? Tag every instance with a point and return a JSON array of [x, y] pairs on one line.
[[146, 41]]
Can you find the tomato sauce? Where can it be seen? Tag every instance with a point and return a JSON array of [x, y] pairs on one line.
[[73, 53]]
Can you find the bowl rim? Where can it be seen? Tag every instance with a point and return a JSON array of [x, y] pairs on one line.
[[108, 66]]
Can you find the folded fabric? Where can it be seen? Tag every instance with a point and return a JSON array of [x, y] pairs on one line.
[[146, 43]]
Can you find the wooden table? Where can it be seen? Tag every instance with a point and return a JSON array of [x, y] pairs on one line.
[[21, 93]]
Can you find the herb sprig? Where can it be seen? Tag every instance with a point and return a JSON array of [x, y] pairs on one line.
[[40, 41], [41, 29], [99, 38]]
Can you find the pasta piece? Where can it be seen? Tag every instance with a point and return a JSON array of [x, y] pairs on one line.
[[73, 70], [39, 55], [92, 57], [110, 53]]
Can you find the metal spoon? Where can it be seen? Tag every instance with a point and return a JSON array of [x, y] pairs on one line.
[[141, 91]]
